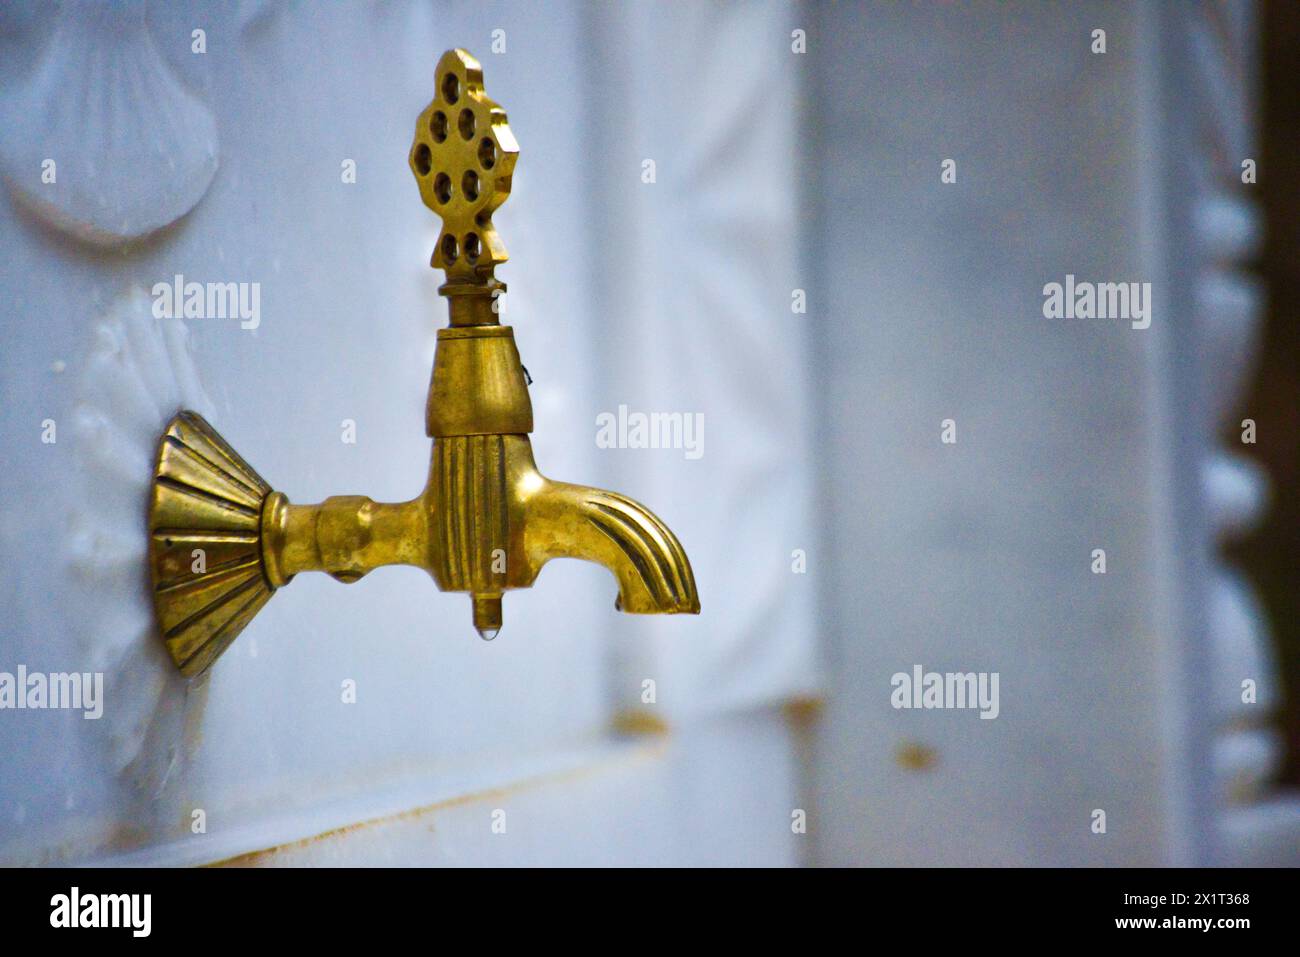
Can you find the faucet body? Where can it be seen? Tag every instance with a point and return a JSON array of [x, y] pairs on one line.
[[487, 520]]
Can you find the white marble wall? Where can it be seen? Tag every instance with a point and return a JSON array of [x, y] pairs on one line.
[[226, 166]]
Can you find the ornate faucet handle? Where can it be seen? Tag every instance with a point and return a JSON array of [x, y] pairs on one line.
[[463, 158], [222, 541]]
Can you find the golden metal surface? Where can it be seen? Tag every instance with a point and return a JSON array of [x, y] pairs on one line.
[[221, 541]]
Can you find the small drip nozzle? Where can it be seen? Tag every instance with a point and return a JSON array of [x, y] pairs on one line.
[[487, 616]]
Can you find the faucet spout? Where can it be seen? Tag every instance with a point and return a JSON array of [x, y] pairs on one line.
[[574, 521], [494, 521]]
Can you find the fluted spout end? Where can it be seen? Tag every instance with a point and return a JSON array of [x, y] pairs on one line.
[[663, 582], [572, 521]]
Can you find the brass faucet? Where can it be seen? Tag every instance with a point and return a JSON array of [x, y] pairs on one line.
[[221, 541]]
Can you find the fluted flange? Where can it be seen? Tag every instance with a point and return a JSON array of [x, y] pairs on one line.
[[205, 542]]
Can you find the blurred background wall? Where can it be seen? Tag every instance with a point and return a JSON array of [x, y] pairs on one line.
[[744, 211], [1117, 155]]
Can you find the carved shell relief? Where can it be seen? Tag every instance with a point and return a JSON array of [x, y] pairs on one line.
[[102, 141]]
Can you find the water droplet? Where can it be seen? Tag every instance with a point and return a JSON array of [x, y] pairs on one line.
[[487, 634]]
